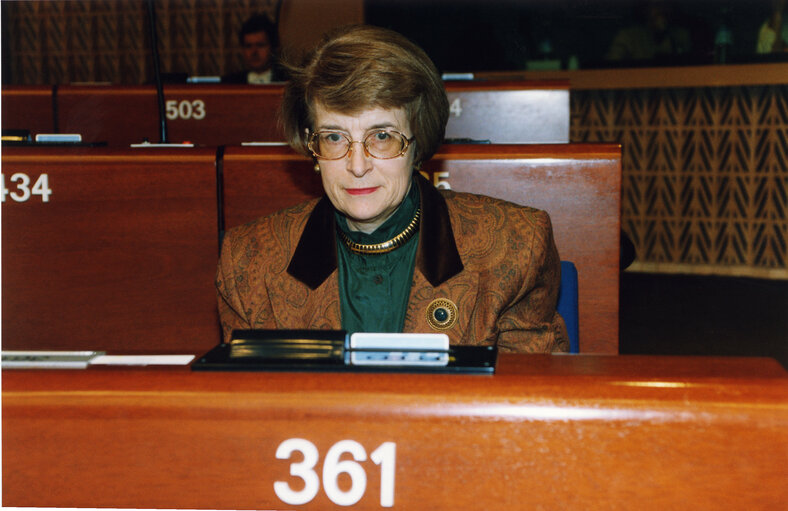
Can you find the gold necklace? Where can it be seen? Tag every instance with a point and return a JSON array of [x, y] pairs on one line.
[[387, 246]]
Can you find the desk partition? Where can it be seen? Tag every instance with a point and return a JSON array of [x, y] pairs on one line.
[[545, 432], [107, 249]]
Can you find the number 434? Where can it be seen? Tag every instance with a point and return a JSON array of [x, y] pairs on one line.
[[22, 191]]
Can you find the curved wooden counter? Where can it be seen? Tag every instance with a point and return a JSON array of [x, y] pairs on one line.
[[545, 432]]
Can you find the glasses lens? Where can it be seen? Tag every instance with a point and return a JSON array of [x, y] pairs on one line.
[[330, 145], [385, 143]]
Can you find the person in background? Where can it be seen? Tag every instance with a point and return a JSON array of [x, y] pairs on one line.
[[773, 34], [655, 35], [259, 39], [383, 250]]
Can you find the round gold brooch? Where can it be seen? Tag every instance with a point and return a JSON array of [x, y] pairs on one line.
[[442, 314]]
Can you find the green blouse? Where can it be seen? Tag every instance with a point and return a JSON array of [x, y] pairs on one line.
[[374, 289]]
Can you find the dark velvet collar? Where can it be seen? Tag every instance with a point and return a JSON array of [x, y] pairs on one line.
[[315, 257]]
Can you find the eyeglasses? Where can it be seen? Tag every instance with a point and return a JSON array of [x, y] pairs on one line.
[[383, 144]]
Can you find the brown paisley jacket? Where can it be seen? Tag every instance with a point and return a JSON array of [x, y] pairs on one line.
[[495, 260]]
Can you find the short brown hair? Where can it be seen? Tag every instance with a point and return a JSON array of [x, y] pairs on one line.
[[361, 67]]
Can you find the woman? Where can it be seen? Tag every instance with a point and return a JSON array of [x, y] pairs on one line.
[[383, 250]]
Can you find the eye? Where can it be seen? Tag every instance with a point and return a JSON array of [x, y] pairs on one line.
[[381, 136], [332, 138]]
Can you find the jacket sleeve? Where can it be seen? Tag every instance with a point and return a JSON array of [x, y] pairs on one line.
[[530, 323], [232, 314]]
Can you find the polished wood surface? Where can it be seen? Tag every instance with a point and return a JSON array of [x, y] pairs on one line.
[[545, 432], [213, 115], [578, 184], [28, 108], [117, 116], [728, 75], [122, 256], [234, 114], [509, 112], [257, 181]]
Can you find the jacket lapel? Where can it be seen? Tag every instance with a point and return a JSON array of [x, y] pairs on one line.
[[439, 270], [315, 256], [438, 273]]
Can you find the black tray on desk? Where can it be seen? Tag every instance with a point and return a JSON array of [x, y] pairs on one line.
[[462, 360]]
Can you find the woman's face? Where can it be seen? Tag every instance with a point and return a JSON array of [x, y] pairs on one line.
[[366, 190]]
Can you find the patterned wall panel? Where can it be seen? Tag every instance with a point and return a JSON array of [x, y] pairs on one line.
[[57, 41], [705, 179]]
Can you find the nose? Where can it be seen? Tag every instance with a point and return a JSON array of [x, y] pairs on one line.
[[359, 162]]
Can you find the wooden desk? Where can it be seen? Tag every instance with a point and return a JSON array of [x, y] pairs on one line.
[[122, 254], [545, 432], [119, 116], [578, 184], [28, 108], [260, 180], [509, 112], [498, 111]]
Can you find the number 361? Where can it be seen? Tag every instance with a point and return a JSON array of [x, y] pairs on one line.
[[384, 455]]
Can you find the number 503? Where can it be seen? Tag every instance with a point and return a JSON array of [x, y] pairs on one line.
[[384, 455]]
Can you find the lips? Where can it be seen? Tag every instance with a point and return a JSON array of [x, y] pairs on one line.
[[361, 191]]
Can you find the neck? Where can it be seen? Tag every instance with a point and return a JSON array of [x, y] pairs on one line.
[[370, 227]]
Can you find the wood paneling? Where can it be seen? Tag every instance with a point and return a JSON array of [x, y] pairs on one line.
[[513, 112], [212, 115], [122, 256], [551, 432], [118, 116], [28, 108]]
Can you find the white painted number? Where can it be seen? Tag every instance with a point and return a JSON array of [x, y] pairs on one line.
[[386, 457], [304, 470], [456, 107], [439, 179], [333, 467], [22, 191], [185, 109]]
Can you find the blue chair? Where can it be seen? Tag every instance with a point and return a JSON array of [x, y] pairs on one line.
[[567, 304]]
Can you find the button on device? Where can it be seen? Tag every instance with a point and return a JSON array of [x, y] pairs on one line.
[[442, 314]]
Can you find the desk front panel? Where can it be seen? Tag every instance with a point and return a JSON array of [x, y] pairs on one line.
[[28, 108], [500, 112], [545, 432], [117, 116], [223, 114], [120, 255], [508, 112]]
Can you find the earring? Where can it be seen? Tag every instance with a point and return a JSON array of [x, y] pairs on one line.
[[317, 168]]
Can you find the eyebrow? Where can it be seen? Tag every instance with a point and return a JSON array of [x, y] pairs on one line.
[[382, 125]]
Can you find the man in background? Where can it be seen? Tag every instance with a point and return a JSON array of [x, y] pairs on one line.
[[259, 40]]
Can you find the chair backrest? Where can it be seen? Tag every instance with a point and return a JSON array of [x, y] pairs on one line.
[[567, 304]]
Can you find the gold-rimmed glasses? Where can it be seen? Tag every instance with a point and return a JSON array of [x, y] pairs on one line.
[[383, 144]]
